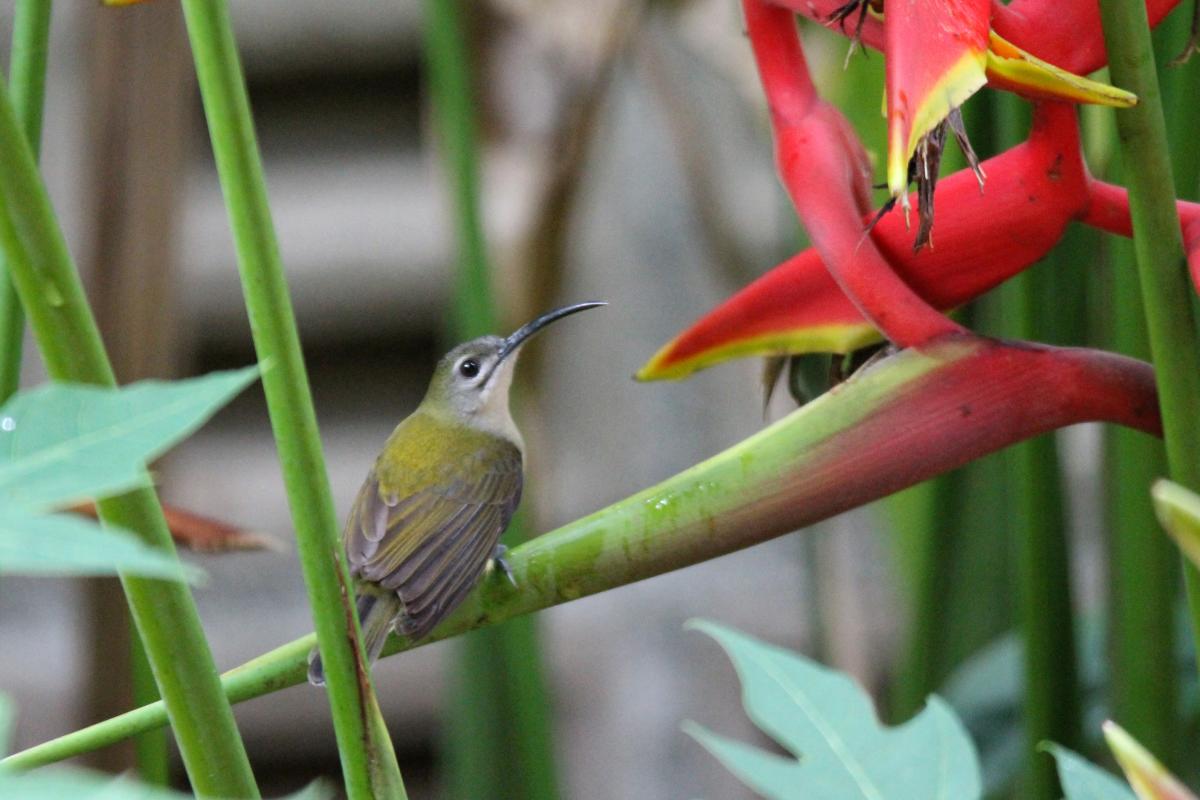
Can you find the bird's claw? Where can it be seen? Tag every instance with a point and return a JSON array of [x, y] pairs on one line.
[[501, 563]]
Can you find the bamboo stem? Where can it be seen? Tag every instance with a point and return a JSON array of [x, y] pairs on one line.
[[1142, 562], [775, 482], [27, 82], [499, 741], [51, 294], [1042, 555], [366, 752], [1158, 245]]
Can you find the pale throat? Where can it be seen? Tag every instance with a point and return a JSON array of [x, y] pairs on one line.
[[494, 415]]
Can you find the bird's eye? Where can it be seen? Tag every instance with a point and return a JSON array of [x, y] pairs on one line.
[[469, 368]]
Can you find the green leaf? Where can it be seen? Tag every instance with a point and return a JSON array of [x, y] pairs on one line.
[[828, 724], [62, 443], [64, 544], [1083, 780]]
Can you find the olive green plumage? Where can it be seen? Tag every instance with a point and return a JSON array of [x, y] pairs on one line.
[[429, 517], [426, 528]]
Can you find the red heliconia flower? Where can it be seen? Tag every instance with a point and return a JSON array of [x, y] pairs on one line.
[[853, 286], [940, 52], [827, 174], [1035, 189]]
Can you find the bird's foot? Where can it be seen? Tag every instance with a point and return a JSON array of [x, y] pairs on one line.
[[501, 563]]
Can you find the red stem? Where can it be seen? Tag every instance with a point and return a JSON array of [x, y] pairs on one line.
[[782, 68], [1064, 32], [827, 174], [1108, 210]]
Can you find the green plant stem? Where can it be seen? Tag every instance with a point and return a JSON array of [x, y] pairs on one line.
[[150, 748], [366, 751], [27, 82], [1044, 610], [499, 740], [448, 57], [1142, 562], [1180, 87], [1166, 289], [1052, 706], [774, 482], [1033, 307], [52, 296], [931, 573]]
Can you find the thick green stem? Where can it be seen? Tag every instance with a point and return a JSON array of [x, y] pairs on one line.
[[151, 749], [448, 57], [932, 562], [777, 481], [1052, 708], [1044, 611], [498, 742], [1142, 562], [1166, 289], [165, 614], [1032, 307], [1144, 576], [27, 81], [1180, 88], [362, 741]]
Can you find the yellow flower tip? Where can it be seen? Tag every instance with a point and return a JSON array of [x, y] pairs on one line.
[[897, 173], [1011, 68], [1148, 777], [830, 338], [653, 369], [1178, 511], [965, 77]]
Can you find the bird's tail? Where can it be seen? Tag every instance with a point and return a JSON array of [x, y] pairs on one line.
[[376, 613]]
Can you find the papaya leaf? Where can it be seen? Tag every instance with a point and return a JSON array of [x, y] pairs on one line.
[[829, 726], [1083, 780], [62, 443], [32, 543]]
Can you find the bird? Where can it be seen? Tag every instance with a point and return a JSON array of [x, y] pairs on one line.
[[427, 521]]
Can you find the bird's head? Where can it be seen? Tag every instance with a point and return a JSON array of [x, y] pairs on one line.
[[471, 382]]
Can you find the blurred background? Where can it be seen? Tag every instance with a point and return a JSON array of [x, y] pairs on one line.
[[625, 158]]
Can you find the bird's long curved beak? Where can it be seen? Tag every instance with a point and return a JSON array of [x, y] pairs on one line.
[[513, 342]]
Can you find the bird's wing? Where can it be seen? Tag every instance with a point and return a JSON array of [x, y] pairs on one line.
[[431, 539]]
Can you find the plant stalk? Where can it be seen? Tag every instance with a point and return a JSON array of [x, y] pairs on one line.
[[52, 296], [1166, 290], [775, 482], [1142, 562], [27, 83], [499, 741], [366, 752], [1044, 610], [1031, 309]]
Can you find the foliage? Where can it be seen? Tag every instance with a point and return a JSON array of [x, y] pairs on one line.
[[60, 444], [948, 396], [1083, 780], [827, 723], [839, 749]]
